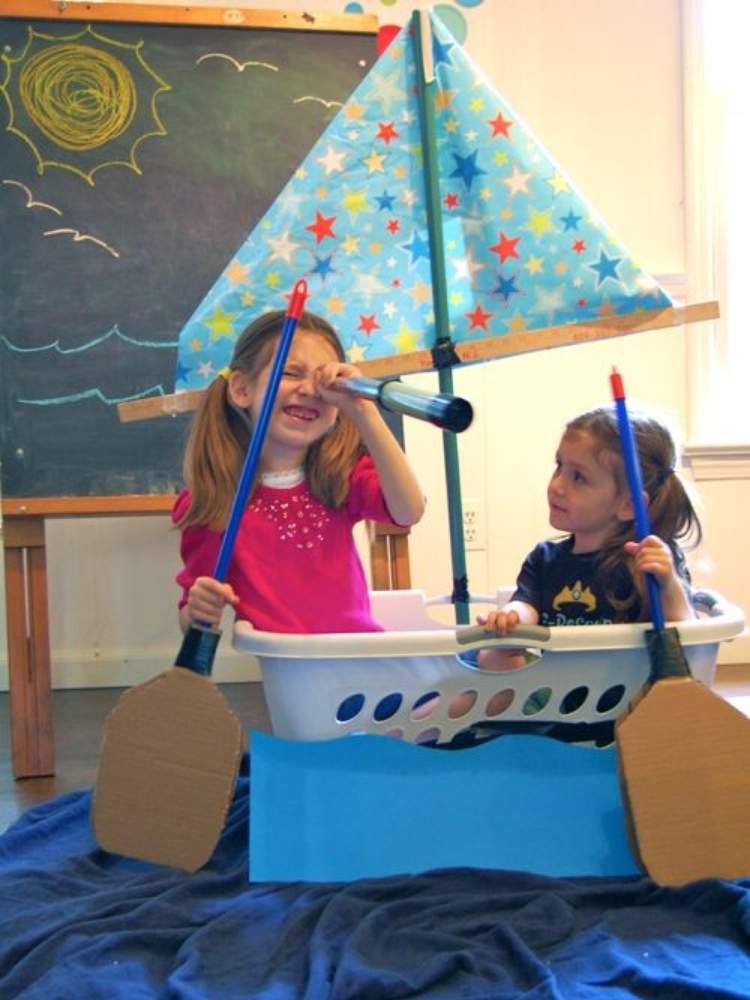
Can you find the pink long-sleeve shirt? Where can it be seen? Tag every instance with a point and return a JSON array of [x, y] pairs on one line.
[[295, 567]]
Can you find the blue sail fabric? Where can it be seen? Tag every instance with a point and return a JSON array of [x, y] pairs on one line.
[[80, 923], [524, 250]]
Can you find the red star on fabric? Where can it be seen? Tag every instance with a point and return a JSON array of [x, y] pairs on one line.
[[478, 318], [386, 132], [368, 324], [581, 303], [499, 125], [579, 246], [393, 226], [506, 247], [322, 227], [450, 200]]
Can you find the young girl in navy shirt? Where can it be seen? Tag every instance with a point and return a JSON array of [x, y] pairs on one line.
[[595, 574]]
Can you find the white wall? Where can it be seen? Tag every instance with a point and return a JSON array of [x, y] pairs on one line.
[[600, 82]]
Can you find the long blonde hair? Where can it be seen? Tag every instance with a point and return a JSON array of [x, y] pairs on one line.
[[220, 433], [671, 512]]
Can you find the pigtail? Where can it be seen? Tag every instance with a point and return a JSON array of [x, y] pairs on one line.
[[330, 463], [671, 511], [213, 458]]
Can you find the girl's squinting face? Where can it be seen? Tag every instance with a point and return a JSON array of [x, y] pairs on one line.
[[300, 417], [583, 495]]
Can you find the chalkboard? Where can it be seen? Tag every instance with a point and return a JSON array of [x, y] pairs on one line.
[[134, 159]]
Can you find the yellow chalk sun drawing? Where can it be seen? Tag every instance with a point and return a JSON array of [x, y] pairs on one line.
[[81, 102]]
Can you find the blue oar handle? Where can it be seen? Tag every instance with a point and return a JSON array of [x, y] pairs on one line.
[[252, 457], [635, 484]]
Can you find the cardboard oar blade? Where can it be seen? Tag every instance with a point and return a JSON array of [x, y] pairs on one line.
[[169, 759], [682, 760]]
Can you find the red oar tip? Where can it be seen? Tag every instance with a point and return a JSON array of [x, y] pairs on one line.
[[615, 380], [297, 301]]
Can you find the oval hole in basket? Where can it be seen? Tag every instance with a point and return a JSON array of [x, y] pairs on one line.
[[462, 703], [350, 707], [611, 698], [573, 700], [425, 705], [387, 707], [431, 735], [500, 702], [537, 700]]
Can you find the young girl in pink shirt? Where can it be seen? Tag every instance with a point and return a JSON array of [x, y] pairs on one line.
[[328, 461]]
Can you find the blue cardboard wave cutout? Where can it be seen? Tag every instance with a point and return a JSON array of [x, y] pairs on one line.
[[371, 806]]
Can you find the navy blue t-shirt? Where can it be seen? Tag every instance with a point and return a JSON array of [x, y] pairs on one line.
[[566, 587]]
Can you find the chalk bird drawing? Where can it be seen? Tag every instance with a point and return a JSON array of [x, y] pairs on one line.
[[79, 237], [31, 201], [240, 67], [320, 100]]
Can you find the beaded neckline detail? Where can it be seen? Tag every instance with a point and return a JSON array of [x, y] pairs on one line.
[[283, 479]]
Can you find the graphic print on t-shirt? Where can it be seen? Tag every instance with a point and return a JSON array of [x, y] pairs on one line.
[[574, 604]]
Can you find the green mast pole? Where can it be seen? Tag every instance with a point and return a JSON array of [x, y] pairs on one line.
[[443, 352]]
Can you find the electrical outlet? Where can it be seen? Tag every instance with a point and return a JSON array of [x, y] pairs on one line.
[[475, 529]]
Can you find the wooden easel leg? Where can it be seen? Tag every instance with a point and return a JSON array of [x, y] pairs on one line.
[[32, 742], [399, 562]]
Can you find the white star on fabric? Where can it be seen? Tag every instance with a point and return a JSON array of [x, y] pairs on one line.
[[467, 266], [283, 248], [517, 182], [387, 89], [332, 161], [548, 301], [367, 285], [289, 201]]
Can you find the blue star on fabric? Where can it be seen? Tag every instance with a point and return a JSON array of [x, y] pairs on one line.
[[441, 52], [182, 372], [506, 287], [323, 266], [570, 221], [418, 247], [385, 201], [606, 267], [466, 168]]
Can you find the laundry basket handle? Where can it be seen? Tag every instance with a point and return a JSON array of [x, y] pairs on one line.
[[537, 634]]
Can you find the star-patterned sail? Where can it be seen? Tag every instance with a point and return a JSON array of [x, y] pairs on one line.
[[523, 250]]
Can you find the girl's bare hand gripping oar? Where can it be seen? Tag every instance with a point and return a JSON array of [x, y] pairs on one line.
[[171, 747], [682, 748]]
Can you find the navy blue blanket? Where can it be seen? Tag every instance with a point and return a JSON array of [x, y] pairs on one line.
[[76, 922]]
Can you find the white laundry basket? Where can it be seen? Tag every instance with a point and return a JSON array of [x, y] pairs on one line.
[[410, 681]]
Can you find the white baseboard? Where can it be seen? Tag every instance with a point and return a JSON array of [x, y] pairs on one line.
[[735, 650], [119, 668]]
